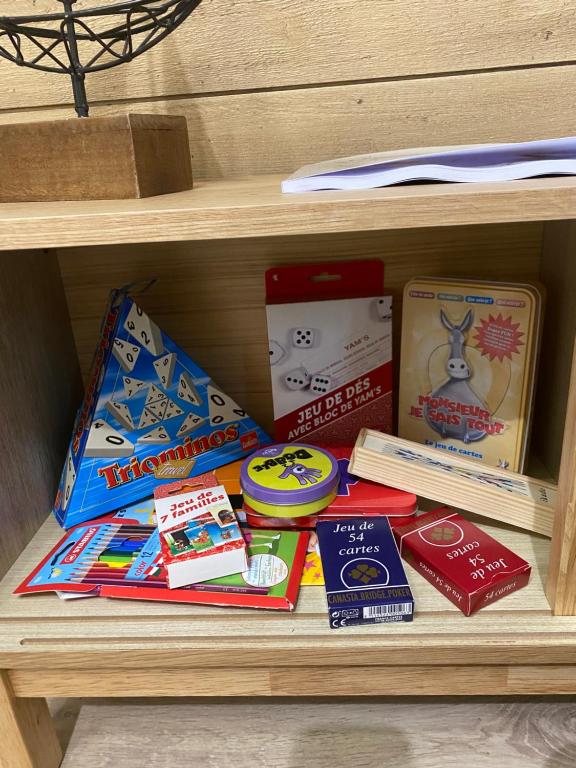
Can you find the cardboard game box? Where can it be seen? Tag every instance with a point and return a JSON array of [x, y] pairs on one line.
[[463, 562], [363, 573], [199, 535], [468, 363], [330, 351], [146, 403]]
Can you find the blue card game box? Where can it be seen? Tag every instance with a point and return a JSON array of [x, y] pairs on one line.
[[364, 576], [148, 412]]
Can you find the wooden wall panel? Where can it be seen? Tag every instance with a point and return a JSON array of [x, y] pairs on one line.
[[278, 131], [210, 296], [238, 46], [40, 385]]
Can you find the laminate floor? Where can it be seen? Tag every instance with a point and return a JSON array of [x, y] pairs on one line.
[[320, 734]]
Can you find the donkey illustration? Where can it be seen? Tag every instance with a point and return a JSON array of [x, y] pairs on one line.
[[457, 387]]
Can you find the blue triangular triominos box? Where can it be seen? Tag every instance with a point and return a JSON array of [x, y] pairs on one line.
[[146, 403]]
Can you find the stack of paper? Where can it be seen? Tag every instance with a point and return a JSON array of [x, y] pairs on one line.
[[473, 162]]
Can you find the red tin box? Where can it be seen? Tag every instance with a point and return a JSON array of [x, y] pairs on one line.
[[359, 497], [468, 566], [255, 520], [356, 498]]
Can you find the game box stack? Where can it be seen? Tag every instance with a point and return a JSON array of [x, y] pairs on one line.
[[354, 497], [171, 492], [289, 480]]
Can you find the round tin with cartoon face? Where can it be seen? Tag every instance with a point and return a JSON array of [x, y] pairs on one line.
[[289, 480]]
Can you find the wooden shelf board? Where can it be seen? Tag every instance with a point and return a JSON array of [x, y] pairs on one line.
[[254, 207], [43, 632]]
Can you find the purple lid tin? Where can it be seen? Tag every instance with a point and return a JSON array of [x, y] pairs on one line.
[[289, 473]]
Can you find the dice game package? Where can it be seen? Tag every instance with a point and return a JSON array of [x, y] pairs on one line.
[[199, 535], [363, 573], [330, 348], [149, 415], [468, 566], [467, 374]]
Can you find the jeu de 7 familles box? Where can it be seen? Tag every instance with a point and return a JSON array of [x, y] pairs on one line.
[[463, 562]]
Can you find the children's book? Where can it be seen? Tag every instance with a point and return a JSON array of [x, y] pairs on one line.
[[122, 558], [468, 367], [472, 162], [312, 573], [150, 415]]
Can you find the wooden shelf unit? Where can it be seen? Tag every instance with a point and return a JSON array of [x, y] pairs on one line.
[[266, 88], [209, 296]]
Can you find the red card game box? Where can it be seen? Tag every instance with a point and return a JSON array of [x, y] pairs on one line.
[[147, 406], [330, 350], [463, 562]]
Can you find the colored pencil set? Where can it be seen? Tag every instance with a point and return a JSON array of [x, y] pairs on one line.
[[119, 558]]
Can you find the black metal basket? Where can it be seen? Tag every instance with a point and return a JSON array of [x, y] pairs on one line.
[[75, 42]]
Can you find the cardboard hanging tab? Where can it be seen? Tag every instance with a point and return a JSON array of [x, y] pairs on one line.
[[324, 281]]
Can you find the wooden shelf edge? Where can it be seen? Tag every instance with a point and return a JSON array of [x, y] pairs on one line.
[[42, 632], [255, 207], [308, 681]]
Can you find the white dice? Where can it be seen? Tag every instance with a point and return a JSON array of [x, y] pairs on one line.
[[383, 307], [276, 351], [320, 384], [304, 338], [299, 378]]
